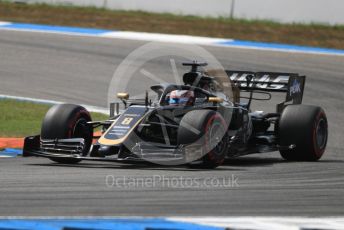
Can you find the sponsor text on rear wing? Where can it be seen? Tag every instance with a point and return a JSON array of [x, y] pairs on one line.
[[290, 83]]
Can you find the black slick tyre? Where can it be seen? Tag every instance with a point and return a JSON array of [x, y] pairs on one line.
[[305, 127], [67, 121]]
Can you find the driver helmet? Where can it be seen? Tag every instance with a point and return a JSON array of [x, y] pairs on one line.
[[182, 97]]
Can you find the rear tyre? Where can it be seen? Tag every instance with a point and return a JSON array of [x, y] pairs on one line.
[[306, 127], [67, 121], [208, 129]]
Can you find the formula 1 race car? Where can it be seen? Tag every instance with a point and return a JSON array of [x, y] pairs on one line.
[[199, 123]]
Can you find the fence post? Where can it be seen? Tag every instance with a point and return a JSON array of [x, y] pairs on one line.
[[232, 9], [105, 4]]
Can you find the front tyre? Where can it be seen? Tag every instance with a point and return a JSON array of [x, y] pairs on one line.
[[306, 127], [67, 121]]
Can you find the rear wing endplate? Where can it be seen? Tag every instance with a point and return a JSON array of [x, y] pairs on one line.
[[290, 83]]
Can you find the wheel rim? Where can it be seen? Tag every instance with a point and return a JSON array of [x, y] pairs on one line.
[[321, 133], [216, 133], [81, 130]]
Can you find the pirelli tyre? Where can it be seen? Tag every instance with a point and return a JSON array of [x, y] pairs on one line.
[[206, 129], [305, 127], [67, 121]]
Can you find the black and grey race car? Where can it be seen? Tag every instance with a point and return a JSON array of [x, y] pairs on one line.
[[199, 123]]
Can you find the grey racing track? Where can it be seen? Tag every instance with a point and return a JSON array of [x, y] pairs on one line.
[[78, 70]]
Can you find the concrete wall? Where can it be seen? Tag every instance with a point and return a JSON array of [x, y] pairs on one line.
[[304, 11]]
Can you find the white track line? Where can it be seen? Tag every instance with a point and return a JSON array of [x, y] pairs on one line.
[[267, 223], [5, 23], [52, 32], [157, 37], [90, 108]]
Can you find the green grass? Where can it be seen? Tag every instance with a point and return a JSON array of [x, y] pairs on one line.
[[252, 30], [20, 119]]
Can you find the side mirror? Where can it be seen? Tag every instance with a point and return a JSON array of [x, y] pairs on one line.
[[215, 99], [123, 96]]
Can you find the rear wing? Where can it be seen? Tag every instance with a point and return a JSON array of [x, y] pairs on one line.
[[290, 83]]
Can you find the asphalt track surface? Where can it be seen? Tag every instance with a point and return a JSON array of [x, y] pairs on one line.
[[78, 69]]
